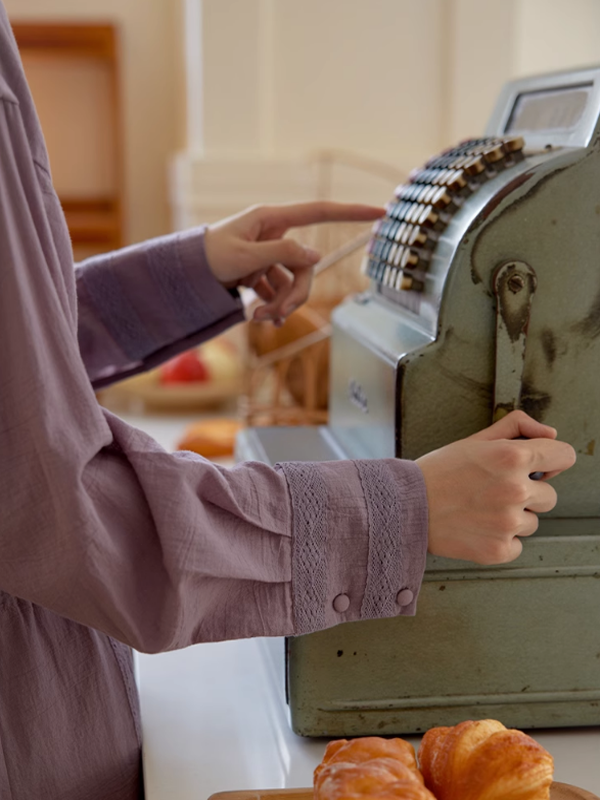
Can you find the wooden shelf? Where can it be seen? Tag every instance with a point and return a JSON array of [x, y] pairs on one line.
[[72, 67]]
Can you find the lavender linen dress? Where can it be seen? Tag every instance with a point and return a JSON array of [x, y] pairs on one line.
[[109, 542]]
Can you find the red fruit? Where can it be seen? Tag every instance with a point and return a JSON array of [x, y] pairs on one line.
[[184, 368]]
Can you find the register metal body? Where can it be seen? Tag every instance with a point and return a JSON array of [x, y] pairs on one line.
[[484, 296]]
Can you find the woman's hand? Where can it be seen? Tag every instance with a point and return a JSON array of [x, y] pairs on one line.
[[248, 250], [480, 495]]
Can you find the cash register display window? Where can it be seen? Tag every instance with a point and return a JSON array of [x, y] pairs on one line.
[[549, 110]]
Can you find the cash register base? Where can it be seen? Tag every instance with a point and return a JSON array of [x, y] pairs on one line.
[[485, 296]]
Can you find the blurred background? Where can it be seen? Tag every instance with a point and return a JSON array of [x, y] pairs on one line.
[[162, 114]]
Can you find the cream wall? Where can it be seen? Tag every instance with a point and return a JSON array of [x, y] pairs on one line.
[[283, 77], [556, 34], [151, 47], [392, 80], [271, 81]]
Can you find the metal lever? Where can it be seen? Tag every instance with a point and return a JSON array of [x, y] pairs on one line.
[[514, 285]]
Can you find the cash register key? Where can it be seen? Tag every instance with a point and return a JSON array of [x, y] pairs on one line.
[[417, 192], [474, 165], [396, 212], [386, 275], [409, 284], [415, 175], [417, 236], [433, 191], [411, 211], [494, 153], [398, 256], [373, 268], [456, 180], [424, 190], [406, 233], [394, 225], [514, 144], [428, 217], [399, 231], [440, 198], [392, 210], [392, 253], [405, 207], [422, 193], [406, 210], [410, 259], [380, 270]]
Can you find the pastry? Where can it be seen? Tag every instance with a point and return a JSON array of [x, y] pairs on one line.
[[379, 778], [367, 748], [369, 767], [483, 760], [211, 438]]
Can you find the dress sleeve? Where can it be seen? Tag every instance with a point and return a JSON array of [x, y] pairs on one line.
[[141, 305], [160, 550]]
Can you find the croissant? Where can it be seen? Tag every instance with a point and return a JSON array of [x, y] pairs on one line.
[[367, 748], [483, 760], [369, 767]]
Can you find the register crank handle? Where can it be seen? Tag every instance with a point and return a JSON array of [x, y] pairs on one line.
[[514, 285]]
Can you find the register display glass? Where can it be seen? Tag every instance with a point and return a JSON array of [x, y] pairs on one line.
[[549, 110]]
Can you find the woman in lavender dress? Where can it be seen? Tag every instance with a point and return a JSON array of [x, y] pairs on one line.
[[108, 542]]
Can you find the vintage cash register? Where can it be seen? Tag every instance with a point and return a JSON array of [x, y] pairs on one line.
[[484, 297]]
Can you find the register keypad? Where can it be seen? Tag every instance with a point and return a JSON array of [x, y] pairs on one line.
[[403, 241]]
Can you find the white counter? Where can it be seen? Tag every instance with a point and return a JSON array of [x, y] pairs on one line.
[[215, 719]]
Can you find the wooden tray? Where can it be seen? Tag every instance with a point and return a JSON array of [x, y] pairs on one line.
[[558, 791]]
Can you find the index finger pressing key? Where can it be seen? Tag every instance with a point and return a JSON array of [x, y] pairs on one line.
[[299, 214]]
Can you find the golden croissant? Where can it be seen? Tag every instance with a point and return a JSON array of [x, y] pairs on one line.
[[384, 769], [483, 760]]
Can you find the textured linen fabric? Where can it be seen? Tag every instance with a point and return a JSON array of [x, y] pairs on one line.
[[106, 540]]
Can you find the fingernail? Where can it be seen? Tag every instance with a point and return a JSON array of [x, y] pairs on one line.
[[312, 255]]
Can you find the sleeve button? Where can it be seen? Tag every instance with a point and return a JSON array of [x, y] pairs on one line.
[[405, 597], [341, 603]]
